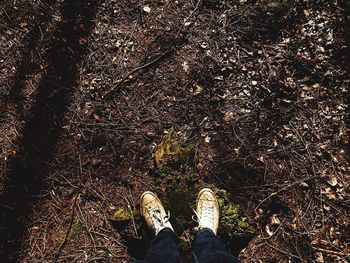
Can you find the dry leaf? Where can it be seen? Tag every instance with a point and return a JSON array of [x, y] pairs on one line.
[[258, 213], [303, 184], [328, 191], [261, 159], [96, 162], [185, 66], [228, 116], [97, 117], [147, 9], [268, 230], [197, 89], [319, 257], [333, 181], [275, 220]]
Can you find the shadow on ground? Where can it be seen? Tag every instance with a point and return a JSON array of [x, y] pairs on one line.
[[30, 166], [26, 65]]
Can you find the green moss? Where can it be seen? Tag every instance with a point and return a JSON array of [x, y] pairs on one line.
[[243, 228], [121, 215], [127, 222], [232, 221], [169, 153], [222, 196], [77, 228], [166, 172]]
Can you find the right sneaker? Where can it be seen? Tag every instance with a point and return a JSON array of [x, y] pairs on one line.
[[154, 213], [207, 210]]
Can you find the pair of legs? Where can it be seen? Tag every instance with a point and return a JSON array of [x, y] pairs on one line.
[[166, 248], [206, 248]]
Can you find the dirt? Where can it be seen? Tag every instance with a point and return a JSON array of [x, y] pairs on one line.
[[101, 100]]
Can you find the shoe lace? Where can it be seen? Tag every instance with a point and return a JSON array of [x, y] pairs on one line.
[[157, 219], [206, 214]]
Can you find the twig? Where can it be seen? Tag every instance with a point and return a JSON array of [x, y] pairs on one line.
[[133, 220], [131, 206], [116, 86], [284, 252], [160, 57], [330, 251], [72, 215], [283, 189]]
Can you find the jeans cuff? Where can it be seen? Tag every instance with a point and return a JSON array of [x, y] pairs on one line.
[[205, 230], [166, 229]]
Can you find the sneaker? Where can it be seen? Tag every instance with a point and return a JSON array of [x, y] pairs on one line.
[[154, 213], [207, 210]]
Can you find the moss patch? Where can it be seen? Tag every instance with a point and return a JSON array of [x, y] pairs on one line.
[[232, 221], [120, 215], [170, 154], [77, 228]]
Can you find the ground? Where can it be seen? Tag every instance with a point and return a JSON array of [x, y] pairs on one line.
[[101, 100]]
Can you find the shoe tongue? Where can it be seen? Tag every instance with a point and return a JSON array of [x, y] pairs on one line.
[[156, 212], [155, 209]]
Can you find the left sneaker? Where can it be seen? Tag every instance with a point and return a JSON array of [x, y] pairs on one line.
[[154, 213]]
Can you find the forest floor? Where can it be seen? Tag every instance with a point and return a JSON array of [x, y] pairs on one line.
[[101, 100]]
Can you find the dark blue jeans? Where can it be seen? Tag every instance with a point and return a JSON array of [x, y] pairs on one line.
[[206, 248]]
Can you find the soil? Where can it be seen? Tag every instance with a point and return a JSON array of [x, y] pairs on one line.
[[253, 93]]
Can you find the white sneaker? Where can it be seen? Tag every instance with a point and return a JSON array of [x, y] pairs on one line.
[[207, 210], [154, 213]]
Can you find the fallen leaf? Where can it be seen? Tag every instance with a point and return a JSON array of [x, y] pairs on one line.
[[197, 89], [185, 66], [96, 162], [303, 184], [258, 213], [268, 230], [275, 220], [261, 159], [304, 87], [147, 9], [319, 257], [328, 191], [228, 116], [333, 181], [97, 117], [204, 45]]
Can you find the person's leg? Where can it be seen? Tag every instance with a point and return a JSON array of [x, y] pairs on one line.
[[165, 247], [208, 248]]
